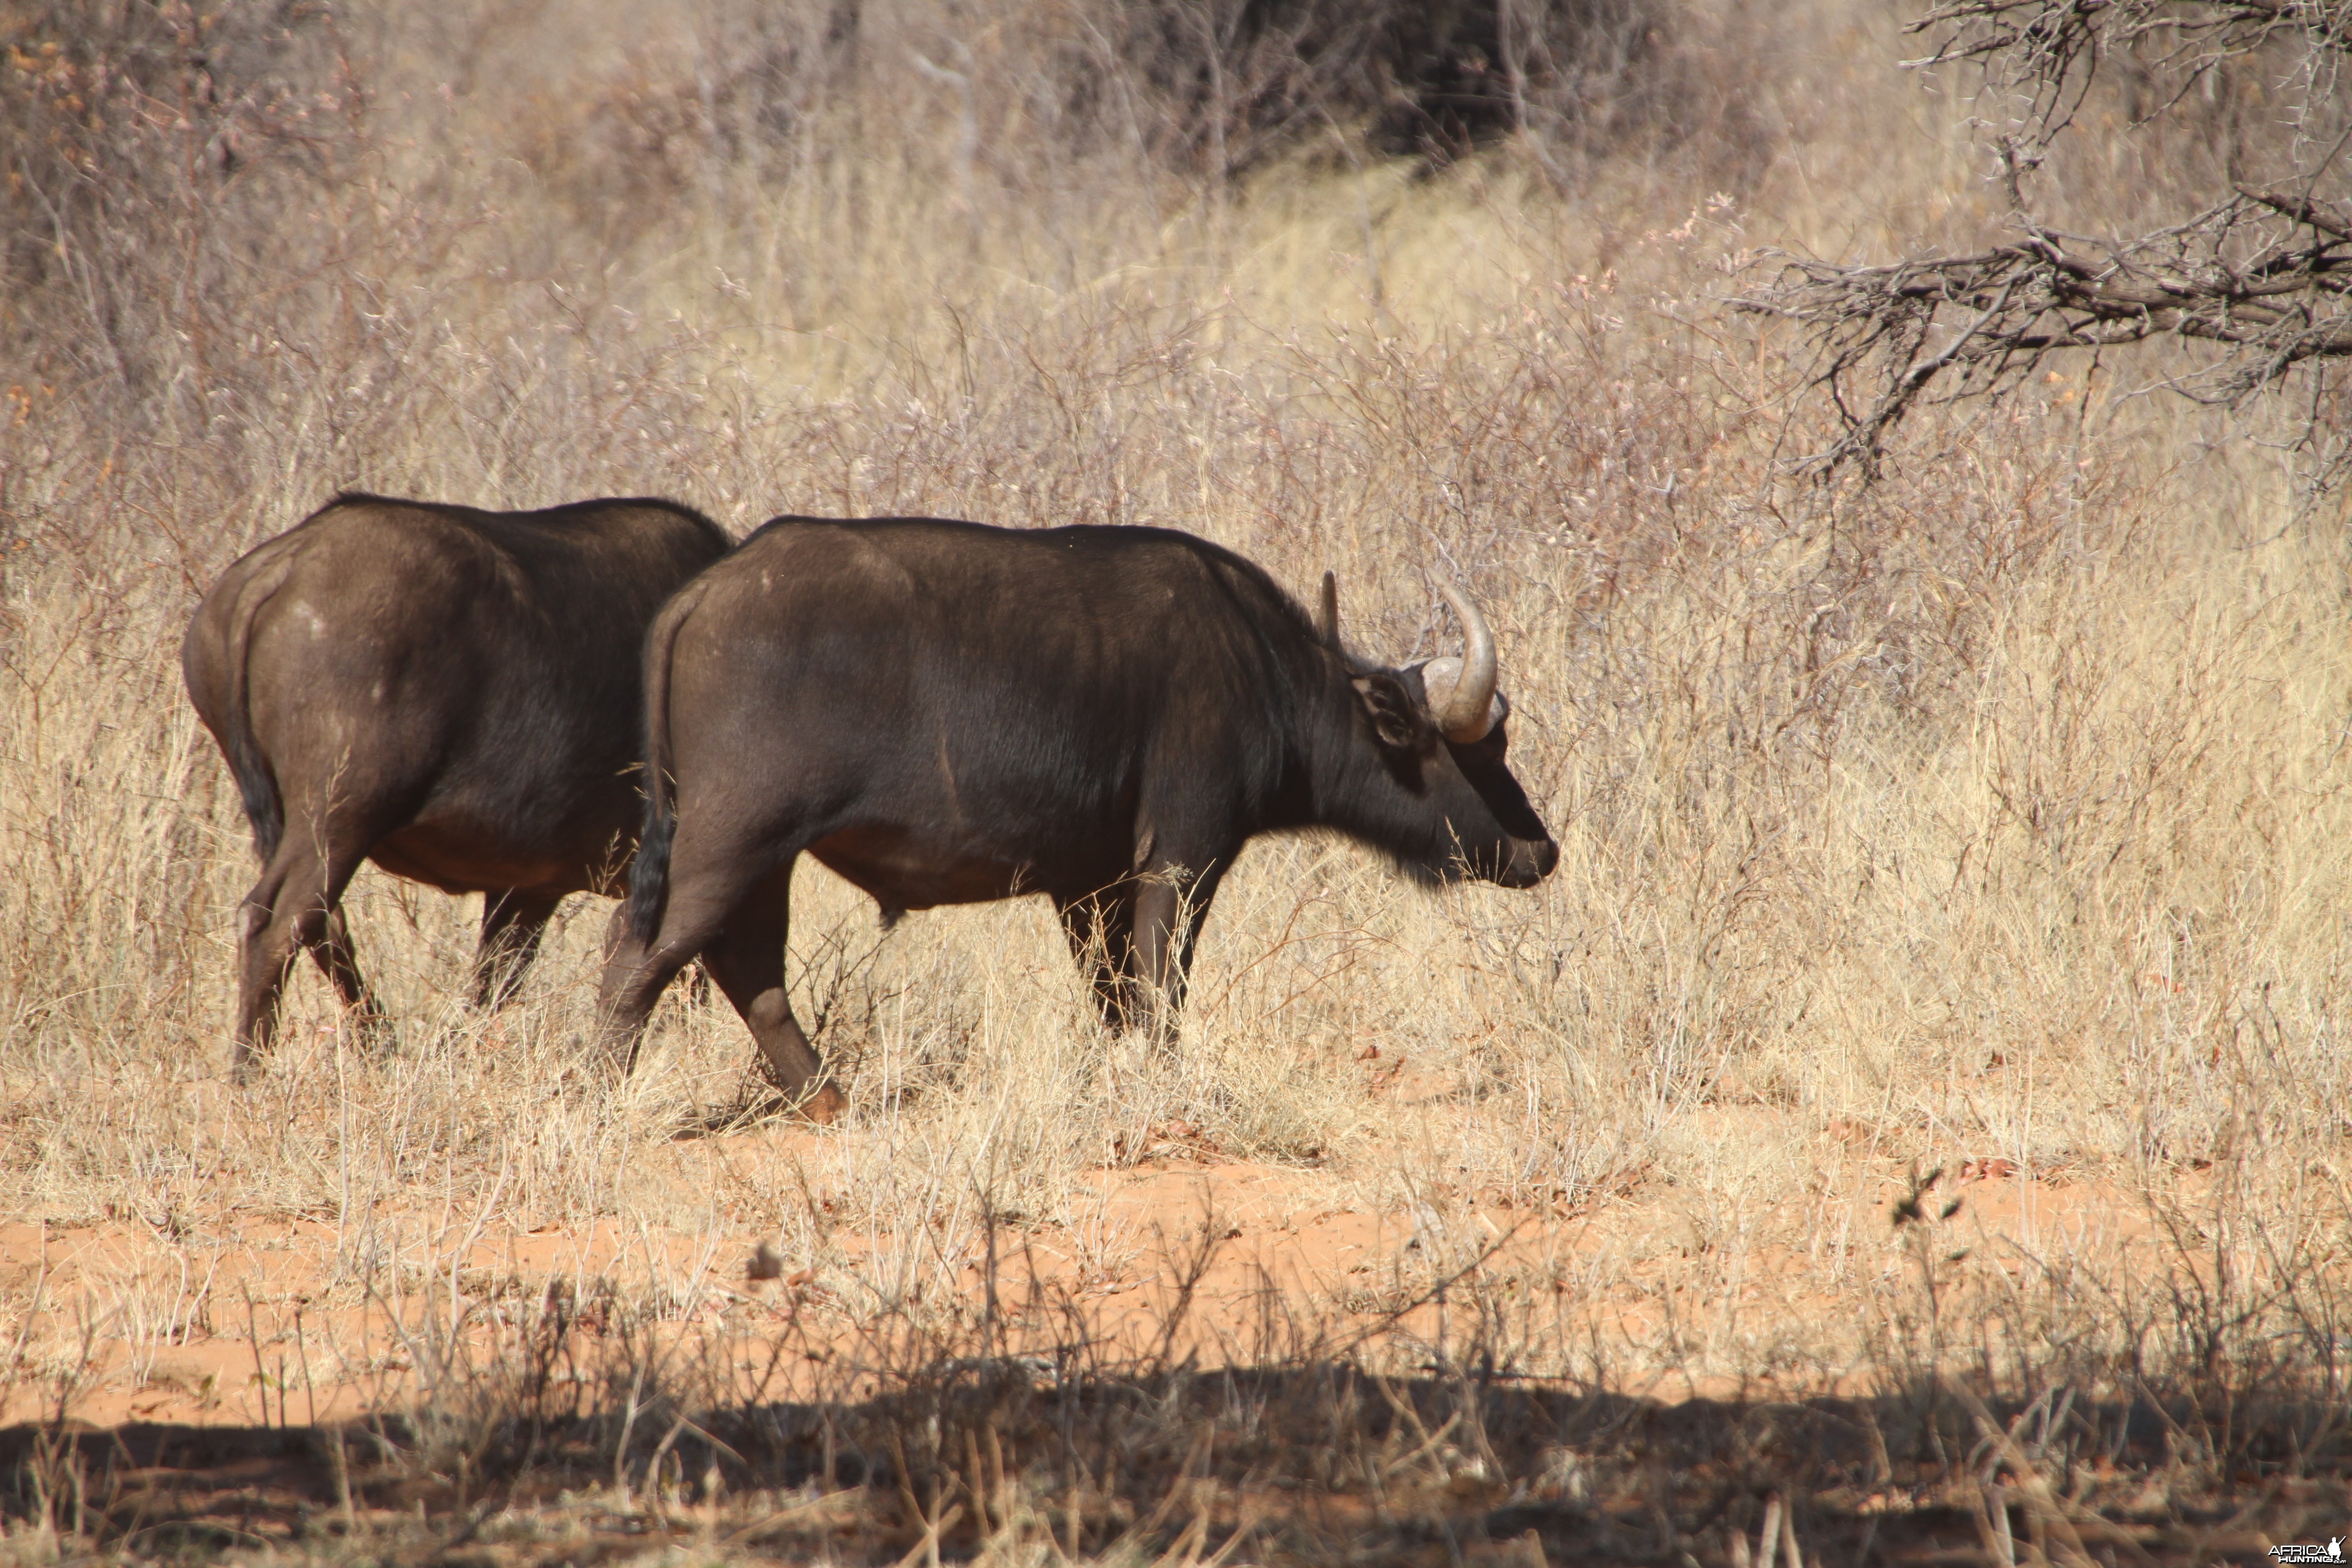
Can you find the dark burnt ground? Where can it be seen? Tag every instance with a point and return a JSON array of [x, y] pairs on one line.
[[1324, 1463]]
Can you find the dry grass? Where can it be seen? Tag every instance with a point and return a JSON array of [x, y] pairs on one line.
[[1994, 815]]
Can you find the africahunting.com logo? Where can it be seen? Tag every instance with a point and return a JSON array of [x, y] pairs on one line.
[[2303, 1551]]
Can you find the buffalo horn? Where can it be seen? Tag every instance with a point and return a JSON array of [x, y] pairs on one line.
[[1465, 713], [1326, 613]]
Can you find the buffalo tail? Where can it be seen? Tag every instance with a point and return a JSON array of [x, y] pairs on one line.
[[256, 786], [649, 873]]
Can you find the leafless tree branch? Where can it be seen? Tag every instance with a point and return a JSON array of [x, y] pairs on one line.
[[2259, 277]]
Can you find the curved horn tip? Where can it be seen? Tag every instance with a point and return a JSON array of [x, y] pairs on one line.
[[1327, 612], [1466, 712]]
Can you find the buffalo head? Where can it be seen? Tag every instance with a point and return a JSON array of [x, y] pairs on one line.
[[1443, 801]]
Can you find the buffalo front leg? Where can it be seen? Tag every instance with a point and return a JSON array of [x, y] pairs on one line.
[[1101, 931], [513, 922], [1169, 906], [748, 961]]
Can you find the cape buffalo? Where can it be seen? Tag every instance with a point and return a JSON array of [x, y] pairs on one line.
[[454, 694], [945, 712]]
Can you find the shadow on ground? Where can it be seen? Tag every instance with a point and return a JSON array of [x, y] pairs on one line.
[[1324, 1463]]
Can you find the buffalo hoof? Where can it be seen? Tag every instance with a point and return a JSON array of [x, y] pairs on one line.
[[826, 1106]]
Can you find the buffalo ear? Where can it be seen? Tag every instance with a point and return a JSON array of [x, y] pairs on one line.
[[1396, 718]]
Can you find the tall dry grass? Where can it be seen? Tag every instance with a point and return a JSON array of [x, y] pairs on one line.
[[1995, 811]]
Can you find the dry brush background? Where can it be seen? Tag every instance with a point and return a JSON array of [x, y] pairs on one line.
[[1988, 820]]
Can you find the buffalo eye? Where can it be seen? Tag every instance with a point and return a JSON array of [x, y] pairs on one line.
[[1397, 717]]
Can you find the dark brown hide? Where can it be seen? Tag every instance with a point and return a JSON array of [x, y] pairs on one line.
[[944, 713], [453, 694]]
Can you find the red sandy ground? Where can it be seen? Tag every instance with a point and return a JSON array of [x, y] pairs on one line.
[[284, 1333]]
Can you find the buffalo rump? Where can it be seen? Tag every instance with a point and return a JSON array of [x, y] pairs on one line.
[[454, 694]]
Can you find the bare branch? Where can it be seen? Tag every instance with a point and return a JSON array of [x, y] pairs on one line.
[[2260, 280], [2303, 209]]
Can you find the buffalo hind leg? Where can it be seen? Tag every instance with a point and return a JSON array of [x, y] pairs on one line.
[[292, 908], [513, 922], [341, 966], [747, 959], [635, 970], [704, 894]]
